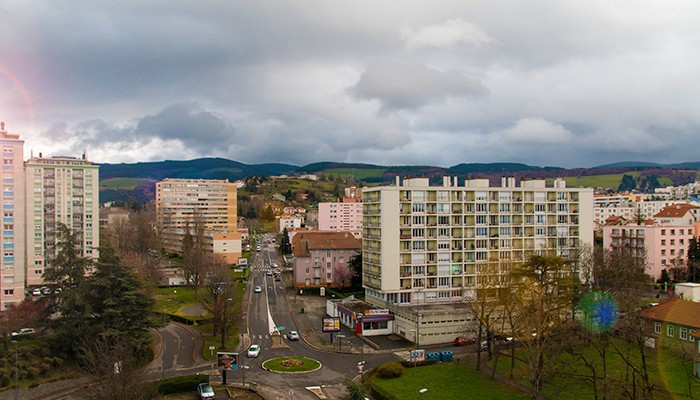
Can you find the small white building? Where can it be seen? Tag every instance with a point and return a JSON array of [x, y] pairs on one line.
[[688, 291]]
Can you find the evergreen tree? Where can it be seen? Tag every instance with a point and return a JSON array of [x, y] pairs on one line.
[[627, 184], [68, 268], [355, 265], [694, 260]]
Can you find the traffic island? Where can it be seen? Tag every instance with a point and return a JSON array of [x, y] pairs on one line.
[[291, 365]]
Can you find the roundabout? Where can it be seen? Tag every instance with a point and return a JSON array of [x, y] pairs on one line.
[[291, 365]]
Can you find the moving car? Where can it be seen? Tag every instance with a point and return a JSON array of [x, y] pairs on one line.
[[36, 292], [254, 350], [205, 391], [293, 335], [258, 289], [463, 340]]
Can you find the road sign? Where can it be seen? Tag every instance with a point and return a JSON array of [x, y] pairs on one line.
[[281, 328], [360, 367]]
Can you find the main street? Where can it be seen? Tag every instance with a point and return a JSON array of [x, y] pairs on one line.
[[269, 310]]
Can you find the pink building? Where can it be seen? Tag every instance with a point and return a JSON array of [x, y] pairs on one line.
[[345, 216], [321, 258], [665, 239]]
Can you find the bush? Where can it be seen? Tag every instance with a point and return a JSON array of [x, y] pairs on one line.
[[33, 372], [390, 370], [4, 381], [180, 384]]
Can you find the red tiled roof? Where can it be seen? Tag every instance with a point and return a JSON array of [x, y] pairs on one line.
[[303, 242], [681, 312], [675, 210]]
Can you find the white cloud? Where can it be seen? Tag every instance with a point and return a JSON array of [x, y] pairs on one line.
[[537, 130], [446, 35]]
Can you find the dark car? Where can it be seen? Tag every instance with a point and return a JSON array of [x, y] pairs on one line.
[[463, 340]]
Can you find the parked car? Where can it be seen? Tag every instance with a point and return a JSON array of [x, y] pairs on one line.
[[205, 391], [293, 335], [258, 289], [254, 351], [24, 331], [463, 341]]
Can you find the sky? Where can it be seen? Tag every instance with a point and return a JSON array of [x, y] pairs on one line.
[[546, 83]]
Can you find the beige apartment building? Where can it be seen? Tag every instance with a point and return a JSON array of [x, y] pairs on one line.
[[13, 271], [422, 245], [59, 190], [185, 204]]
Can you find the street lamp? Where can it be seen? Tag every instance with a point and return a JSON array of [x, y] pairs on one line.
[[163, 345], [16, 370]]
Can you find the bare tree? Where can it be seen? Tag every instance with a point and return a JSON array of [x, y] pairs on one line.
[[195, 256], [342, 275], [116, 371], [485, 305], [219, 297]]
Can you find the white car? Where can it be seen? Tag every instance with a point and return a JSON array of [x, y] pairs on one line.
[[23, 331], [258, 289], [36, 292], [254, 351], [293, 335]]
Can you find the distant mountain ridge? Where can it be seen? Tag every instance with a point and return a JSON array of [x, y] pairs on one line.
[[221, 168]]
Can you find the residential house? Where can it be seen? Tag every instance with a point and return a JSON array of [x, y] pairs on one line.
[[321, 258]]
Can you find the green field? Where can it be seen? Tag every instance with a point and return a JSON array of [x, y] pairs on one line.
[[358, 173], [445, 381], [123, 183], [611, 181]]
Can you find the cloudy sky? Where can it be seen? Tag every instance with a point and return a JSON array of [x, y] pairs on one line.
[[564, 83]]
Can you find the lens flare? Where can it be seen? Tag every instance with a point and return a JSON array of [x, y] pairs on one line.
[[598, 312]]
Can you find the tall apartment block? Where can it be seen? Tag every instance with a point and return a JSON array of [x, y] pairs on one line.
[[13, 272], [422, 245], [345, 216], [59, 190], [183, 203]]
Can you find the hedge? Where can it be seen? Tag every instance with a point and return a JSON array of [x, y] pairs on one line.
[[180, 384]]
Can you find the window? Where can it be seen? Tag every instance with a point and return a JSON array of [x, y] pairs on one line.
[[670, 331], [692, 338], [9, 292], [657, 328], [683, 333]]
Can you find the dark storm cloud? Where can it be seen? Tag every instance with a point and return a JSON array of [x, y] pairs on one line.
[[394, 81]]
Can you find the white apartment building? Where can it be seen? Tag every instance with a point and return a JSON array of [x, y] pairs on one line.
[[182, 204], [345, 216], [13, 272], [422, 245], [59, 190]]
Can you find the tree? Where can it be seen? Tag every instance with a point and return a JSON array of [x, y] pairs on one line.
[[218, 299], [355, 390], [25, 314], [267, 214], [694, 260], [195, 257], [285, 244], [627, 184], [342, 275], [485, 305], [355, 265], [68, 268], [544, 289], [115, 367]]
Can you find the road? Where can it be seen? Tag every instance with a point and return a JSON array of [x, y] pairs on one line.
[[269, 310]]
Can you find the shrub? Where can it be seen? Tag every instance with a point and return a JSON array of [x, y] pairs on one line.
[[33, 372], [4, 381], [180, 384], [390, 370]]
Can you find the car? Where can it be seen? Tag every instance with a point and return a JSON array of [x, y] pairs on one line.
[[36, 292], [205, 391], [257, 249], [254, 351], [275, 266], [258, 289], [293, 335], [24, 331], [269, 273], [463, 341], [45, 290]]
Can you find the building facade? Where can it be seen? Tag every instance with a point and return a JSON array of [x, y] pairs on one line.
[[422, 245], [345, 216], [321, 258], [59, 190], [13, 271], [205, 205]]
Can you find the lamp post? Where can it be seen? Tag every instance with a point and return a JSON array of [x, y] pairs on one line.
[[16, 370], [163, 346]]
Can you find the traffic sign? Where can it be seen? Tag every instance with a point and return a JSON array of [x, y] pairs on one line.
[[281, 328]]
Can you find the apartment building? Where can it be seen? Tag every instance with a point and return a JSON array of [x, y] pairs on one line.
[[13, 271], [321, 258], [661, 241], [59, 190], [422, 245], [208, 205], [345, 216]]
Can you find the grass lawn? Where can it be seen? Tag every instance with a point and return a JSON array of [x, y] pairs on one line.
[[123, 183], [665, 370], [358, 173], [446, 381]]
